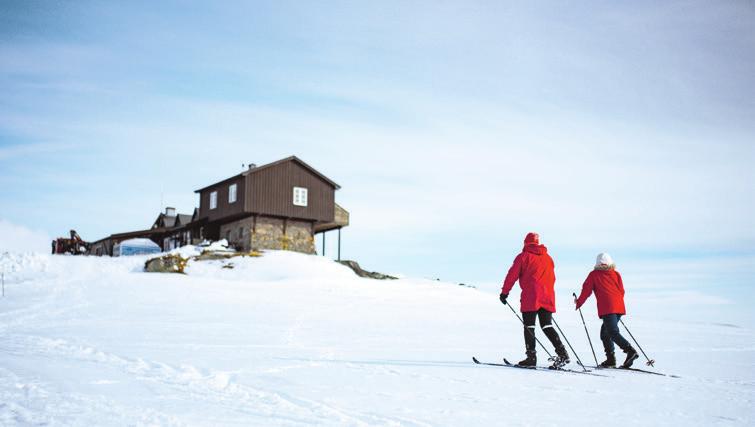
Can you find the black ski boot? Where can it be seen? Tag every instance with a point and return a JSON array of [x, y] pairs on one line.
[[561, 358], [563, 355], [610, 361], [631, 357], [530, 361]]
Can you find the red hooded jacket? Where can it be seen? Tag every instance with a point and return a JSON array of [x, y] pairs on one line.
[[609, 291], [534, 270]]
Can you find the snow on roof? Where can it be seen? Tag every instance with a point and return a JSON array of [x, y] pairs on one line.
[[139, 242]]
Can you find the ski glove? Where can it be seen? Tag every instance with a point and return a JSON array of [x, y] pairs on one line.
[[503, 298]]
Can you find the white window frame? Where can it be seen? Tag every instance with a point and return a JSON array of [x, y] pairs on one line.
[[301, 196], [213, 200], [232, 189]]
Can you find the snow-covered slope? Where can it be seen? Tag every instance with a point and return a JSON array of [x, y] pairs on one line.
[[290, 339]]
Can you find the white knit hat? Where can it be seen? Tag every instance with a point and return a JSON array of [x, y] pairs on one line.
[[603, 259]]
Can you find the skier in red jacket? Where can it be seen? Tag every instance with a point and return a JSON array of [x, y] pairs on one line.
[[534, 270], [606, 282]]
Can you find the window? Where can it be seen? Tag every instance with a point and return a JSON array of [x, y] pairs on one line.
[[300, 196], [213, 200], [232, 194]]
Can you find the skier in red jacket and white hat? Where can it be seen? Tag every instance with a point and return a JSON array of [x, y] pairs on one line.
[[606, 282], [533, 268]]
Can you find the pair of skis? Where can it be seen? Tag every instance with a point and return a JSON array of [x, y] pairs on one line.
[[508, 364], [621, 368]]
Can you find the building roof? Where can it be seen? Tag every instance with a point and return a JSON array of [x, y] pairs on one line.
[[182, 219], [169, 221], [220, 182], [163, 221], [138, 233], [276, 163], [130, 234]]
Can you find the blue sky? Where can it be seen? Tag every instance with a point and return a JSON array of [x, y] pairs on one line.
[[453, 127]]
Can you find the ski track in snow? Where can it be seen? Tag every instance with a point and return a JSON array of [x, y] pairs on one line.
[[42, 407], [32, 402], [216, 388], [352, 353]]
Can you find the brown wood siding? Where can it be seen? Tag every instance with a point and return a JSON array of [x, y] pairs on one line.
[[271, 192], [224, 208]]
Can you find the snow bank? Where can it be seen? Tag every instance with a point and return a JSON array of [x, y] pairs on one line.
[[294, 340], [273, 266], [187, 251], [218, 246], [19, 267], [17, 238]]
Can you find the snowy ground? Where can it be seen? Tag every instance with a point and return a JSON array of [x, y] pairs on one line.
[[291, 340]]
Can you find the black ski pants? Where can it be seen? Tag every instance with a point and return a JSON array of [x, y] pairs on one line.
[[546, 320], [609, 334]]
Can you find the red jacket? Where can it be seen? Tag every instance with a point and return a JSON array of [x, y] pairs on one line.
[[609, 291], [534, 270]]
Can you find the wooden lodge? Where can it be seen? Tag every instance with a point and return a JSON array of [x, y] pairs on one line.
[[280, 205]]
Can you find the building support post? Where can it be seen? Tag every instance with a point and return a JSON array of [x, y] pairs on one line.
[[323, 243], [339, 243]]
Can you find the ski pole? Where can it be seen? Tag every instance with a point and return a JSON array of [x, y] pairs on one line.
[[588, 334], [650, 361], [550, 356], [567, 341]]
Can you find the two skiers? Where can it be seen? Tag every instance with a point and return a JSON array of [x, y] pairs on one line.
[[534, 270], [608, 287]]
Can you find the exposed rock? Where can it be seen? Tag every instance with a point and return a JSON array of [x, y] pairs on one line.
[[210, 255], [363, 273], [166, 264], [175, 263]]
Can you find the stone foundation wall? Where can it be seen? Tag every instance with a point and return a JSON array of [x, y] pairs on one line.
[[299, 237], [268, 234], [238, 233]]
